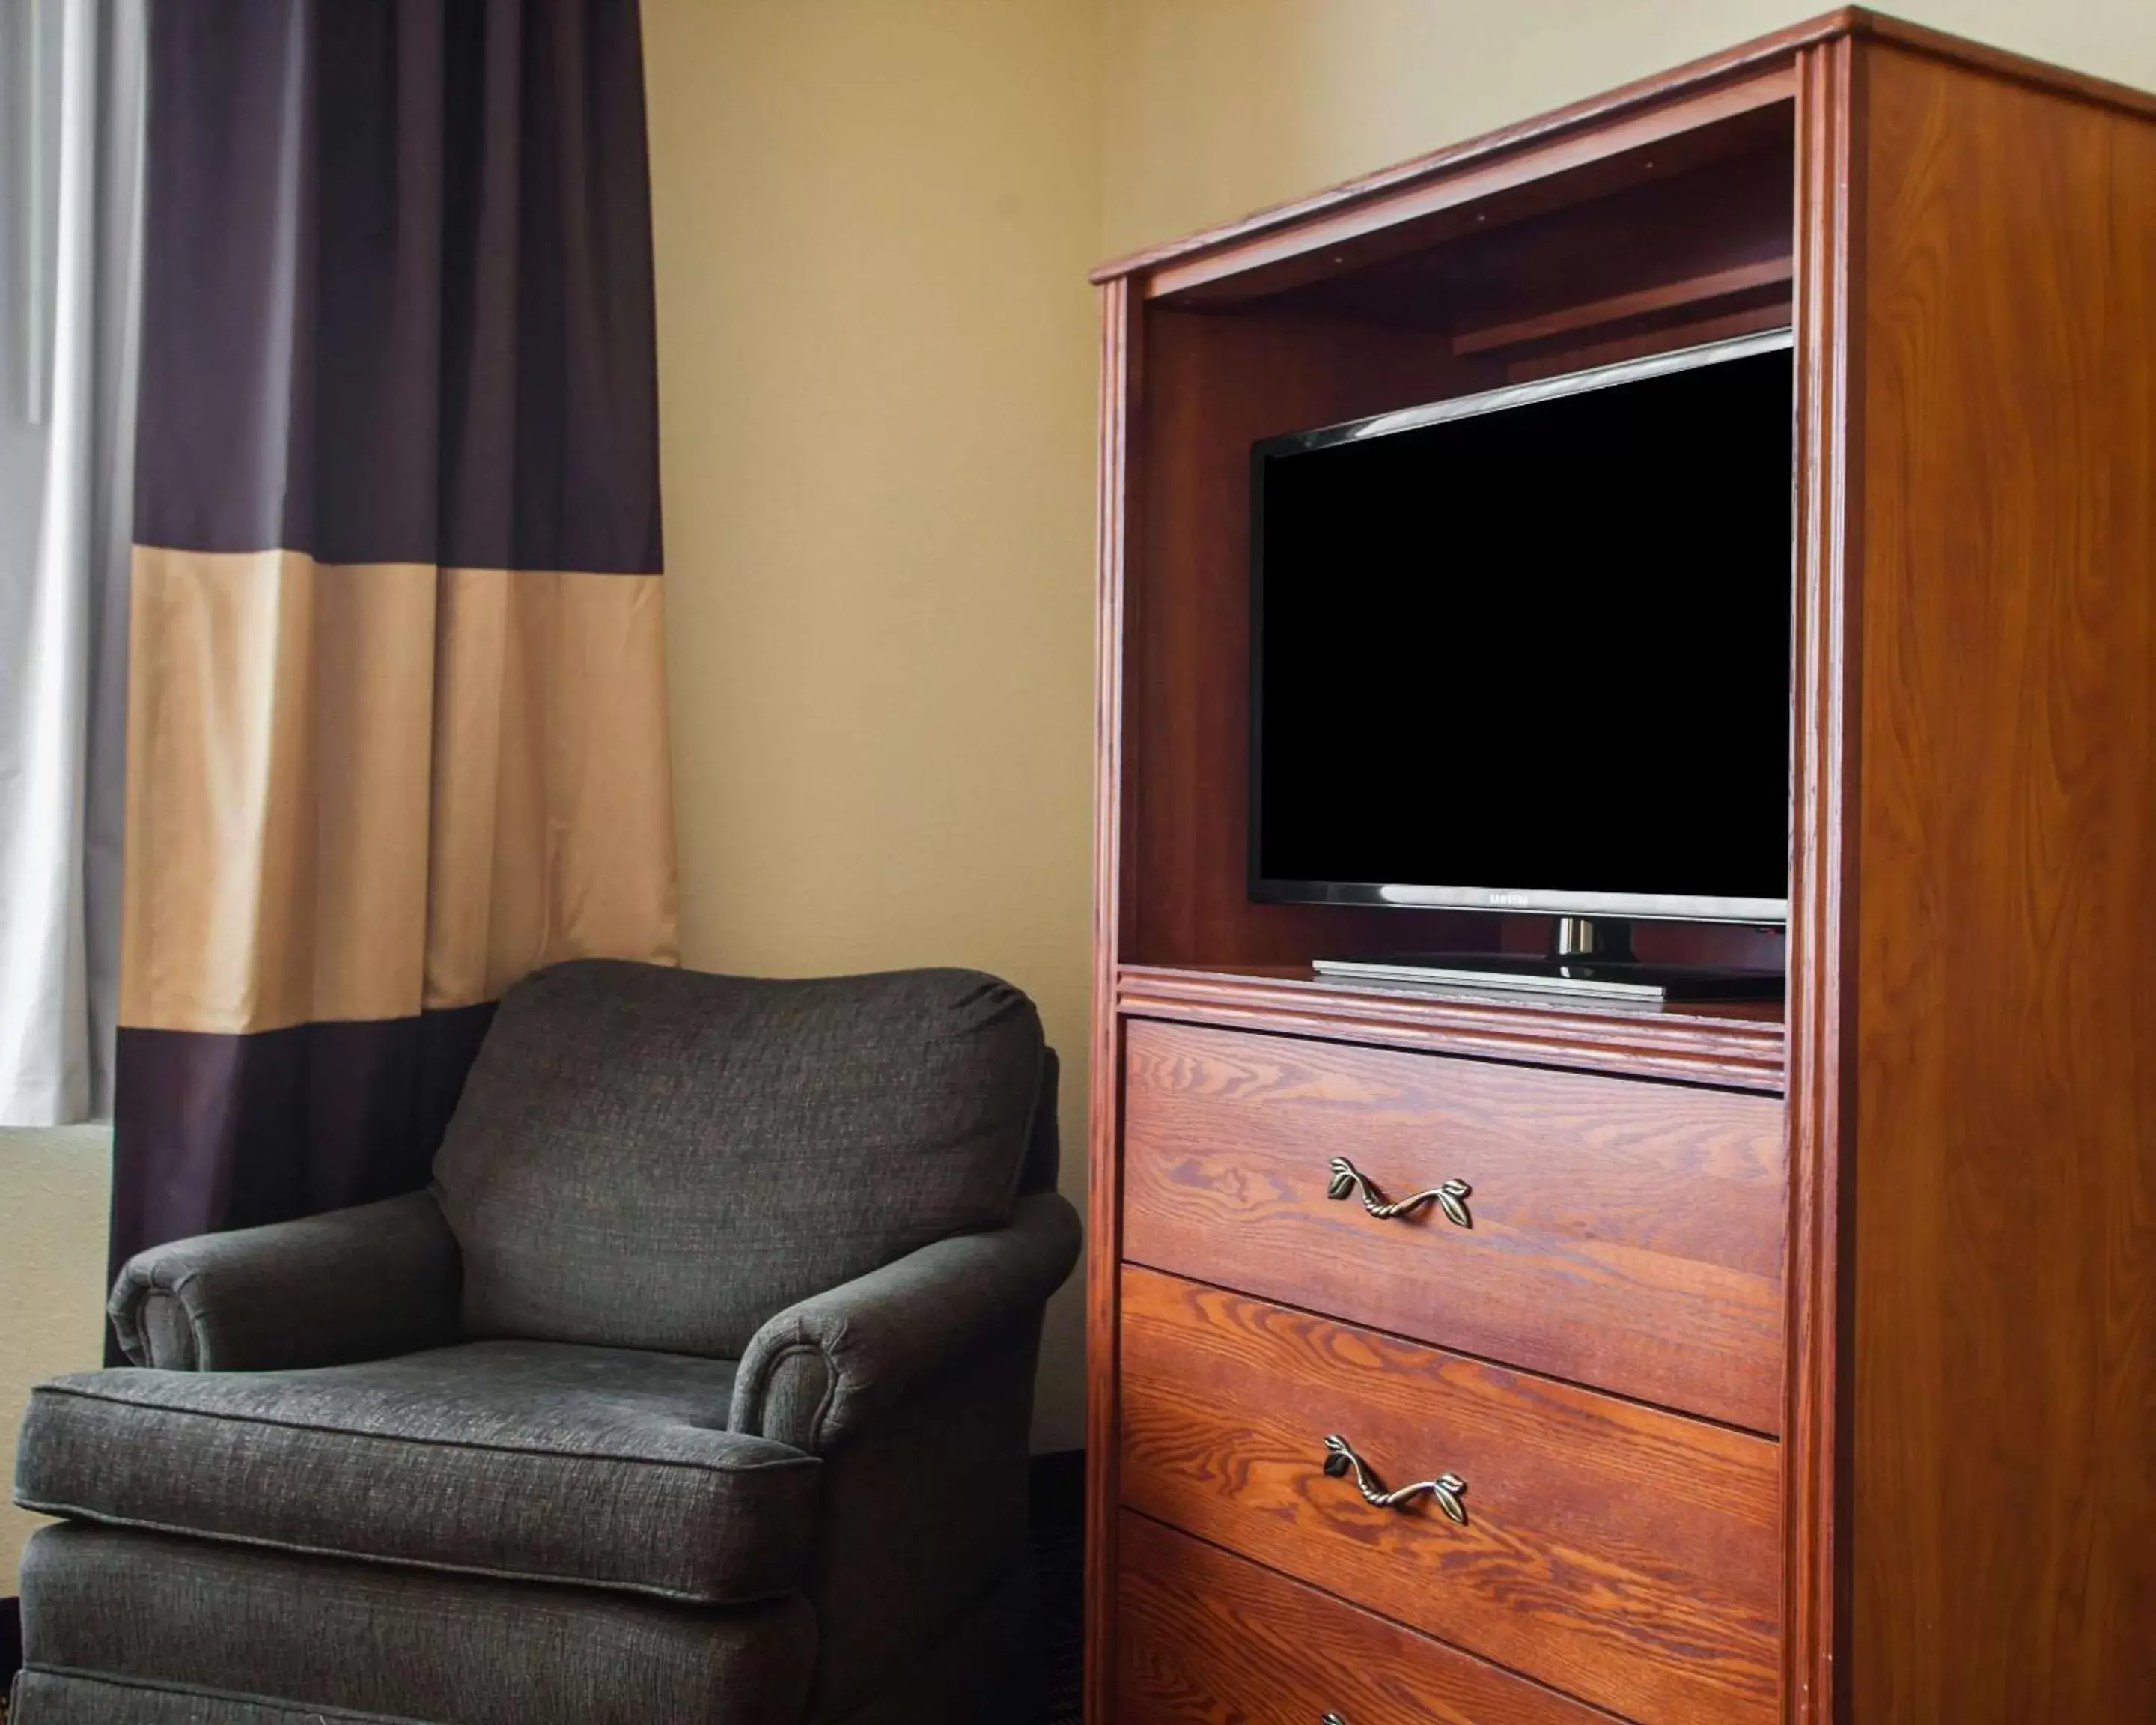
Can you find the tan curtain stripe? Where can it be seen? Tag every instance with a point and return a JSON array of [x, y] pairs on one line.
[[359, 790], [553, 819]]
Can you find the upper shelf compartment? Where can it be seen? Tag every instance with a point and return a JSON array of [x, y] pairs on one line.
[[1576, 244], [1576, 252]]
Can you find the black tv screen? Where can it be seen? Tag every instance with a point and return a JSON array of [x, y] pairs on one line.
[[1533, 649]]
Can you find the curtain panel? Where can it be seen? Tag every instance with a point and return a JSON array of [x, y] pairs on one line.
[[397, 726], [69, 239]]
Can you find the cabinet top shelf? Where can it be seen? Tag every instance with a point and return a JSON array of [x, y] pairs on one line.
[[1736, 1043], [1749, 74]]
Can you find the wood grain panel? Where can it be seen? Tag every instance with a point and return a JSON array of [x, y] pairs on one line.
[[1211, 1640], [1624, 1235], [1686, 206], [1738, 1043], [1822, 884], [2002, 1515], [1623, 1554], [1720, 326], [1121, 360], [1274, 256], [1689, 297]]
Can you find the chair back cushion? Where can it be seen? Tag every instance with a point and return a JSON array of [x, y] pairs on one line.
[[651, 1157]]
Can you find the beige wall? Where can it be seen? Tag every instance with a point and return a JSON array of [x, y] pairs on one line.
[[54, 1191], [874, 219]]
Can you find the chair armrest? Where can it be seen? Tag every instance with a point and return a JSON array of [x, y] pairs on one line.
[[362, 1283], [826, 1370]]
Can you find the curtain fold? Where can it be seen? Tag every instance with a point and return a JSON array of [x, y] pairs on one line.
[[73, 69], [397, 722]]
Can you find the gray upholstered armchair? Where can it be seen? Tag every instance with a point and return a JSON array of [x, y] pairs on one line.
[[695, 1389]]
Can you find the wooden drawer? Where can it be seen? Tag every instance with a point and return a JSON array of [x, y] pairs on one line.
[[1621, 1553], [1622, 1233], [1204, 1638]]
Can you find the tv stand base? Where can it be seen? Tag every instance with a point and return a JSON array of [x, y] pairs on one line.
[[1595, 978]]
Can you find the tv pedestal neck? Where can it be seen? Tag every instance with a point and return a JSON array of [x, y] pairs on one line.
[[1606, 940], [1589, 958]]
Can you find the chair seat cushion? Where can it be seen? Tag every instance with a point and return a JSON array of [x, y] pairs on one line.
[[541, 1461]]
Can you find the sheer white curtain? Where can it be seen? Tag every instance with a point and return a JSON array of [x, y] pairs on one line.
[[69, 217]]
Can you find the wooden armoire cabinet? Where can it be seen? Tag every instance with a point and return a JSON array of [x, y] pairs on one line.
[[1770, 1363]]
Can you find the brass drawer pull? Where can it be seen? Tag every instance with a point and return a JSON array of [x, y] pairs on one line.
[[1341, 1458], [1452, 1198]]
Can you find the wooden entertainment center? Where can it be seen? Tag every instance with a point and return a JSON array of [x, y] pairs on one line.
[[1757, 1365]]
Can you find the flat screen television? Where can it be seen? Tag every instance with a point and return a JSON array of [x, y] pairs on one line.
[[1530, 649]]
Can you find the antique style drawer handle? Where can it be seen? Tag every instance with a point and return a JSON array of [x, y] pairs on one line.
[[1452, 1198], [1340, 1458]]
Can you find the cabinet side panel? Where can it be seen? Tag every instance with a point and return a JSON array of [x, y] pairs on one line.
[[1822, 888], [2002, 1532], [1120, 381]]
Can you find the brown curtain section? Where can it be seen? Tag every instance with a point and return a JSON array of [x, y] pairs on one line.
[[396, 724]]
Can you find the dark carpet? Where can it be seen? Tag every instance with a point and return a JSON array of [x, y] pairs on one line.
[[1059, 1562]]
